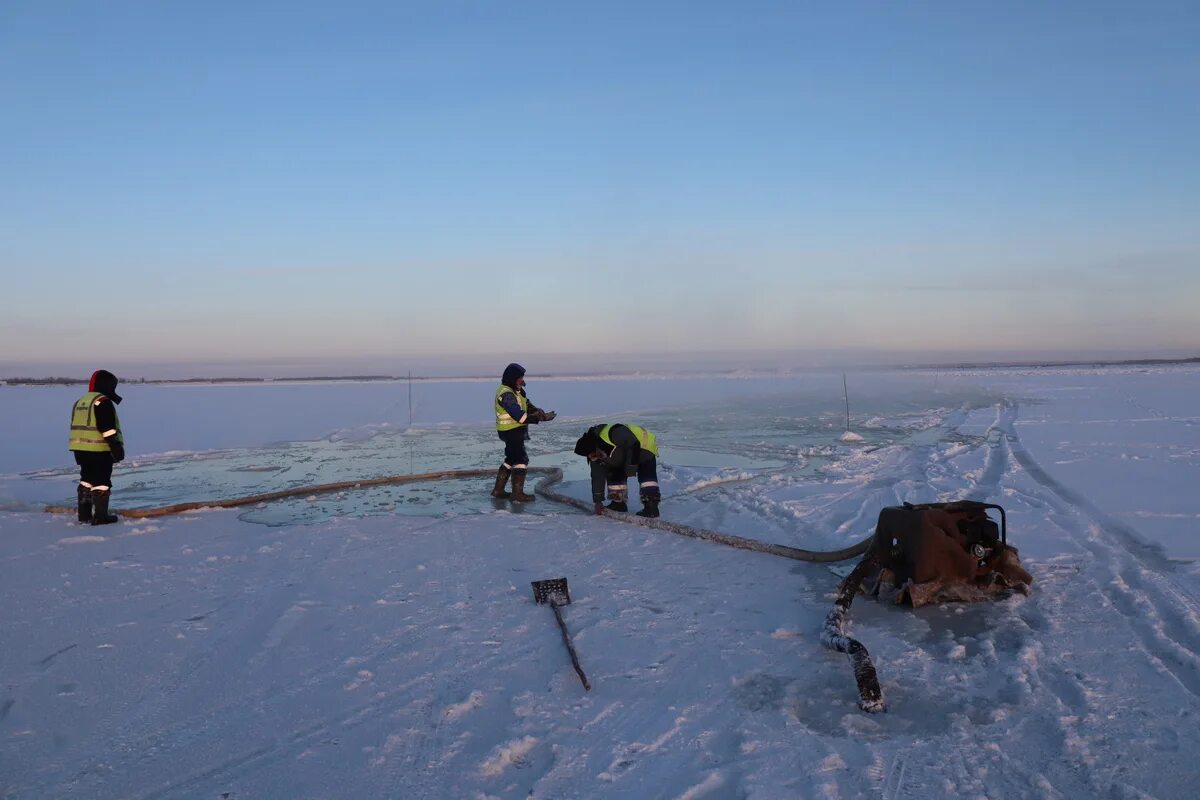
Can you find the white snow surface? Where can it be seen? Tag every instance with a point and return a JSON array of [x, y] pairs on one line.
[[384, 643]]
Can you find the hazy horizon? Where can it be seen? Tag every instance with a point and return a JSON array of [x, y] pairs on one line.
[[543, 364]]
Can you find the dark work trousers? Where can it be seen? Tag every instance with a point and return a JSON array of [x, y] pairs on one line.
[[647, 475], [95, 469], [515, 456]]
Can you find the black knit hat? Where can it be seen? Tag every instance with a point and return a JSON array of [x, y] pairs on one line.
[[105, 383], [588, 443]]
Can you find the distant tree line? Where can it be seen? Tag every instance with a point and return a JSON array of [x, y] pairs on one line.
[[60, 381], [1128, 362], [44, 381]]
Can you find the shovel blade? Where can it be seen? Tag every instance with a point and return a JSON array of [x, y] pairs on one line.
[[553, 591]]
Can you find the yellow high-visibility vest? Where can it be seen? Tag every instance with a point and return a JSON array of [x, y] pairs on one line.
[[645, 438], [504, 420], [84, 435]]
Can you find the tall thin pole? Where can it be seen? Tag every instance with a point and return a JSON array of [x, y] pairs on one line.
[[410, 443], [847, 393]]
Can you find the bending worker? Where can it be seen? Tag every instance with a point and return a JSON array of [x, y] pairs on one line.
[[618, 452], [514, 415], [97, 443]]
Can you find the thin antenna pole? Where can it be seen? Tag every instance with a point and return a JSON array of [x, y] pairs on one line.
[[410, 443], [847, 393]]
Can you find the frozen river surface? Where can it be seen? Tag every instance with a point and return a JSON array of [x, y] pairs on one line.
[[382, 643]]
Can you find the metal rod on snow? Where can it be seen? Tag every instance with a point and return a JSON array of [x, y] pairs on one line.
[[555, 592], [570, 647]]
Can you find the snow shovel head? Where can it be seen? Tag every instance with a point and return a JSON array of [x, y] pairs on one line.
[[553, 591]]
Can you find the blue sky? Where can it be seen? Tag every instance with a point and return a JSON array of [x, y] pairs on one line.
[[223, 181]]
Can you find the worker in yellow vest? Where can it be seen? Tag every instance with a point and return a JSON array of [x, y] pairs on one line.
[[514, 414], [616, 453], [98, 444]]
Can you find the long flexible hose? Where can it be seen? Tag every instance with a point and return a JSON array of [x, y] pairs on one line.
[[833, 636], [552, 476]]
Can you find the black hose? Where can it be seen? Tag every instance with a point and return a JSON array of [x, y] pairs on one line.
[[833, 636]]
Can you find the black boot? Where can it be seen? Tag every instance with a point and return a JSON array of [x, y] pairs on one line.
[[501, 480], [617, 501], [100, 515], [649, 508], [84, 494], [518, 492], [649, 504]]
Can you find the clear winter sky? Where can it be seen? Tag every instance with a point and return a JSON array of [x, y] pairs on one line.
[[368, 181]]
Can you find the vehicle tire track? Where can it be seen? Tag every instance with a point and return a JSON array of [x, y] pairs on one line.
[[1133, 576]]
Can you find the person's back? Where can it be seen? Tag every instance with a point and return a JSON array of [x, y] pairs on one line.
[[97, 443]]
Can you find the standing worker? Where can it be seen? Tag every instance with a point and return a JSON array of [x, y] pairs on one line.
[[616, 453], [514, 415], [97, 443]]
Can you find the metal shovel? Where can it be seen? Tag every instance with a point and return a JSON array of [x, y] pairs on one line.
[[555, 592]]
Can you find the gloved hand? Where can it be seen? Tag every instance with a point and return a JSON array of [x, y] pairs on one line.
[[548, 415], [118, 452], [598, 508]]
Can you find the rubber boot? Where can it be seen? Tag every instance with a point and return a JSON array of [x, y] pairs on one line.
[[649, 506], [617, 501], [518, 492], [84, 495], [501, 480], [100, 515]]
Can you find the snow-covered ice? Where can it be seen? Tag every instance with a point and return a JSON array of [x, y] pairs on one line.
[[385, 642]]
